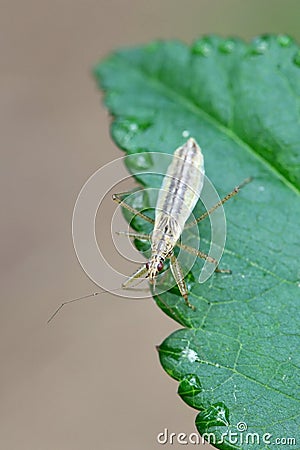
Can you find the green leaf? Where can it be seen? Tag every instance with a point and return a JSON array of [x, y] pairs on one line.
[[237, 357]]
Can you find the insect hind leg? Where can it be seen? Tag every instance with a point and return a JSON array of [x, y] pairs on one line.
[[217, 205], [218, 270], [199, 254]]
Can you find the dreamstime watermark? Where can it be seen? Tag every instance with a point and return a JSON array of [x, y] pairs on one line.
[[152, 168], [239, 436]]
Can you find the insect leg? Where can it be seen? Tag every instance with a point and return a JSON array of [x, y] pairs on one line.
[[137, 274], [142, 237], [179, 278], [217, 205], [196, 252], [202, 255], [218, 270], [118, 198]]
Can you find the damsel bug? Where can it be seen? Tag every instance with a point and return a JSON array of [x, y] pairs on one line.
[[180, 191]]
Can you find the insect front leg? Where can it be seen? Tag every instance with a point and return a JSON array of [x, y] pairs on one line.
[[143, 270], [179, 278]]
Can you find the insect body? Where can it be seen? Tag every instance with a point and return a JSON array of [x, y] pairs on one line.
[[179, 193]]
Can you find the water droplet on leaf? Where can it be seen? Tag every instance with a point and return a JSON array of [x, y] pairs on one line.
[[129, 126], [215, 415], [259, 46], [227, 46], [189, 386], [296, 59], [133, 127], [284, 40], [139, 161], [201, 47]]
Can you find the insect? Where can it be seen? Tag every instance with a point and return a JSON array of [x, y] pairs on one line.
[[180, 191]]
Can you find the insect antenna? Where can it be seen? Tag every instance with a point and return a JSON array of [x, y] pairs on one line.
[[94, 294]]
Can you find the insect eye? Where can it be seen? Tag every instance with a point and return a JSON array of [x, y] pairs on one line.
[[160, 266]]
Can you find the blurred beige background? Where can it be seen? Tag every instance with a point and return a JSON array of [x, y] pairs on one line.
[[91, 379]]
